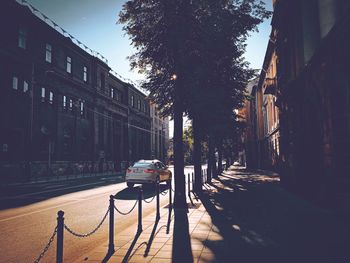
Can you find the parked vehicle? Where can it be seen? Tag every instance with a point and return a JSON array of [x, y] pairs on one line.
[[147, 172]]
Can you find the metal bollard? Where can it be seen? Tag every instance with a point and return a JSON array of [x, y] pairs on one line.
[[158, 213], [60, 229], [189, 185], [170, 195], [111, 225], [193, 182], [139, 226]]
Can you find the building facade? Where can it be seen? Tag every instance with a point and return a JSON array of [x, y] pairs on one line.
[[308, 79], [159, 135], [62, 109]]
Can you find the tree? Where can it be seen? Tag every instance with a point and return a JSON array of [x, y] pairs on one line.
[[161, 31], [191, 52], [223, 73]]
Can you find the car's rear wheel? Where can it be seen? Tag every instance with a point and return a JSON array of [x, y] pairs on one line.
[[130, 185]]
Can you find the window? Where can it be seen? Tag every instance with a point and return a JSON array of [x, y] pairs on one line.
[[81, 108], [42, 94], [48, 56], [69, 65], [64, 101], [22, 38], [85, 73], [102, 81], [139, 104], [25, 86], [70, 104], [132, 101], [15, 83], [112, 93], [51, 97]]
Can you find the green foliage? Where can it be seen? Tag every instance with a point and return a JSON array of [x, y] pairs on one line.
[[203, 43]]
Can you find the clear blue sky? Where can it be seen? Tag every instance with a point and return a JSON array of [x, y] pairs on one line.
[[93, 22]]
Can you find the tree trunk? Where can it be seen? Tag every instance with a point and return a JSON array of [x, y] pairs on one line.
[[220, 158], [197, 157], [210, 159], [180, 195], [214, 167]]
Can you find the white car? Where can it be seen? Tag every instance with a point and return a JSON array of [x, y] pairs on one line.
[[147, 172]]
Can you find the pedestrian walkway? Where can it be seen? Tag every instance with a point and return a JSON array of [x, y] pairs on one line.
[[241, 217]]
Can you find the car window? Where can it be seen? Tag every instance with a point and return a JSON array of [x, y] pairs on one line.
[[162, 165], [142, 165]]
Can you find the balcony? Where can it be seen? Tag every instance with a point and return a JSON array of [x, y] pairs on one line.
[[270, 86]]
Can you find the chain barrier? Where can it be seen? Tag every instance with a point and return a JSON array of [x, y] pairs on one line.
[[90, 233], [150, 200], [47, 246], [164, 193], [126, 213]]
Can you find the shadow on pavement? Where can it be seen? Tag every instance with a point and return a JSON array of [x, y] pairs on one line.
[[21, 195], [257, 221], [132, 193]]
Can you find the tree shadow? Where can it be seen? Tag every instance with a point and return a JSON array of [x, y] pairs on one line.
[[12, 196], [256, 220], [132, 193], [182, 251]]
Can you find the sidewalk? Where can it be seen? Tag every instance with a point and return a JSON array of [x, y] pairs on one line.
[[242, 217]]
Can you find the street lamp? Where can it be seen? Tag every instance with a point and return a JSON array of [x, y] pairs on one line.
[[173, 77]]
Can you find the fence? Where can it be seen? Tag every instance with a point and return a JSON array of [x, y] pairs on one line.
[[62, 227]]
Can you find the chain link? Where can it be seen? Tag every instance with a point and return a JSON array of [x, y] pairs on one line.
[[90, 233], [164, 193], [126, 213], [150, 201], [47, 246], [154, 195]]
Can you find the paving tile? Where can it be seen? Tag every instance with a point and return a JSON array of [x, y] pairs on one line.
[[206, 257], [139, 259], [151, 252], [197, 247], [121, 252], [160, 260], [157, 245], [115, 259], [163, 254], [97, 256]]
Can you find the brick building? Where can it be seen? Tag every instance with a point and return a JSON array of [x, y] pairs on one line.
[[311, 44], [62, 109]]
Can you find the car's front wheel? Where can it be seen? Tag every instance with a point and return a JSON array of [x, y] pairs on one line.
[[130, 185]]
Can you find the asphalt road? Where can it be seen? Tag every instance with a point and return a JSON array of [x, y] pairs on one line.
[[28, 215]]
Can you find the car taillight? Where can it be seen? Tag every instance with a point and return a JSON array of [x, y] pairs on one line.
[[149, 171], [128, 171]]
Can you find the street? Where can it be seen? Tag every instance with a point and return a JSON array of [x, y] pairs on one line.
[[28, 225]]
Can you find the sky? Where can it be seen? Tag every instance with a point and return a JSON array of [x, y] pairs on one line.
[[94, 23]]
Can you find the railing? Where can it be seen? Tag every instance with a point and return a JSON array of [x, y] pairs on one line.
[[61, 226]]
